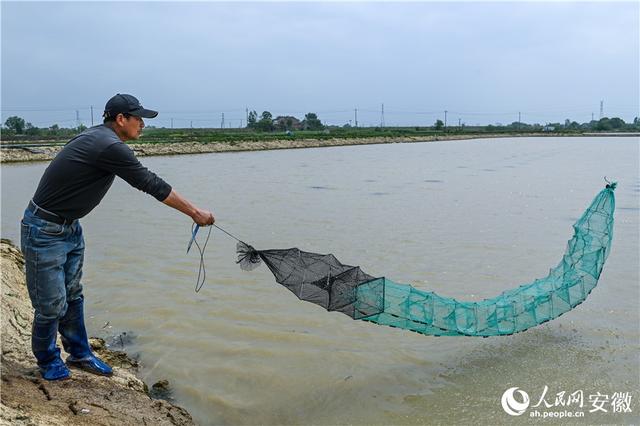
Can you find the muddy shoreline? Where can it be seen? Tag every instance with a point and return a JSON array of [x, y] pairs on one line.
[[85, 399], [151, 149]]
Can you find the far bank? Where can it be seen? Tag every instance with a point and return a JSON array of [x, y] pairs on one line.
[[44, 152]]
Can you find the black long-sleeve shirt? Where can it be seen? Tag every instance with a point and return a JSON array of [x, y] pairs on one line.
[[81, 174]]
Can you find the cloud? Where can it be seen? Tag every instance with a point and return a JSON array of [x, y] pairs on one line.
[[300, 57]]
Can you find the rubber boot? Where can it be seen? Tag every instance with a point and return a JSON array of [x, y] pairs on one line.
[[43, 345], [76, 342]]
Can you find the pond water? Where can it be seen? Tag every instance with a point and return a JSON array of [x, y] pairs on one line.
[[466, 219]]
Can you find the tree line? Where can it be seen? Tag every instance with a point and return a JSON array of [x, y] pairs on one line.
[[266, 122], [17, 126]]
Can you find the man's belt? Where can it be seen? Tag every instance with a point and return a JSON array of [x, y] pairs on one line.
[[47, 215]]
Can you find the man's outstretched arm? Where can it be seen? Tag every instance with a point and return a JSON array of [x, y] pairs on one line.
[[178, 202]]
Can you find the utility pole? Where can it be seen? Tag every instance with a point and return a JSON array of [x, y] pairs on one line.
[[445, 119], [601, 109], [591, 116], [382, 117], [191, 124], [91, 115], [247, 116], [356, 116], [459, 122], [222, 124], [519, 120], [240, 124], [77, 118], [172, 123]]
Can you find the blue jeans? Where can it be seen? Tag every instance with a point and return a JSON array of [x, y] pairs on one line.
[[54, 256]]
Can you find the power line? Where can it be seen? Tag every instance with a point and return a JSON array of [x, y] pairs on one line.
[[39, 109], [377, 115]]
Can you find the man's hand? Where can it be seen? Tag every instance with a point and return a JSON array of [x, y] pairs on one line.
[[203, 217], [199, 216]]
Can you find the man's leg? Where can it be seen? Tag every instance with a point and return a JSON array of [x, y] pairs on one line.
[[71, 326], [44, 266]]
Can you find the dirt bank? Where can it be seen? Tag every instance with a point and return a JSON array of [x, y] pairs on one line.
[[85, 399], [147, 149]]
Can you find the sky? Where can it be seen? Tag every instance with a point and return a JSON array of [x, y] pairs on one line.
[[484, 63]]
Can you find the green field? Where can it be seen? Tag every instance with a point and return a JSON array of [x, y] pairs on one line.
[[163, 135]]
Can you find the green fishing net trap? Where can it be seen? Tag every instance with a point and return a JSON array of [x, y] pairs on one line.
[[323, 280]]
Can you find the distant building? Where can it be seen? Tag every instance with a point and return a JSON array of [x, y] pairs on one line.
[[287, 122]]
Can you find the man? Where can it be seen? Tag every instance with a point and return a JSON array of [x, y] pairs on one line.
[[51, 237]]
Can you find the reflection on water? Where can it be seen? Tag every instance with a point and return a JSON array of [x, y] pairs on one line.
[[245, 351]]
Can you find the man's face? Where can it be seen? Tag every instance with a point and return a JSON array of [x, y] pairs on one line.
[[132, 127], [128, 128]]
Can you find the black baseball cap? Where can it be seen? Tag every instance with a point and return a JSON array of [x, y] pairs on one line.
[[126, 104]]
